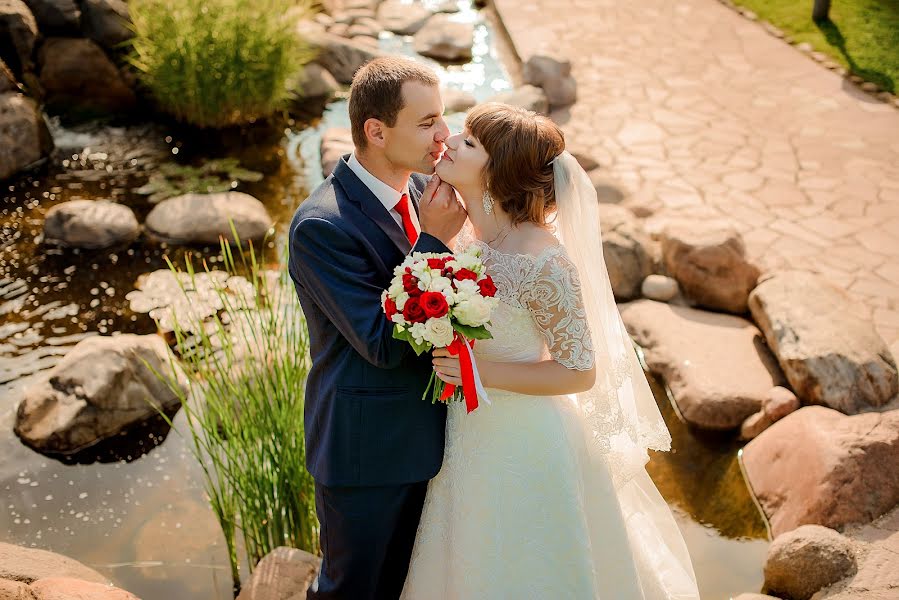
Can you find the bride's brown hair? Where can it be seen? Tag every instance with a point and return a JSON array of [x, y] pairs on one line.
[[520, 145]]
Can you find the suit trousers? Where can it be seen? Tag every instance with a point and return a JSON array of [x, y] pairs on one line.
[[367, 535]]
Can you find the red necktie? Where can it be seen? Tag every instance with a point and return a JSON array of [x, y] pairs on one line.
[[402, 207]]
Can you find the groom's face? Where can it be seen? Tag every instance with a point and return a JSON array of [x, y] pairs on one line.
[[416, 141]]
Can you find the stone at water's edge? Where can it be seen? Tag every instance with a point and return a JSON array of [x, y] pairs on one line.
[[625, 249], [553, 74], [202, 218], [24, 136], [283, 574], [314, 81], [335, 143], [106, 22], [710, 265], [659, 287], [717, 366], [819, 466], [30, 564], [778, 403], [18, 27], [67, 588], [78, 76], [806, 559], [457, 100], [444, 39], [751, 596], [90, 224], [831, 356], [339, 56], [56, 17], [528, 97], [402, 18], [99, 388]]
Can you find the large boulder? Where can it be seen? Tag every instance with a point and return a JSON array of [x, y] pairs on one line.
[[717, 366], [339, 56], [336, 142], [106, 22], [829, 354], [56, 17], [811, 557], [819, 466], [90, 224], [102, 386], [78, 77], [314, 82], [202, 218], [68, 588], [403, 18], [18, 35], [625, 248], [457, 100], [30, 564], [709, 263], [443, 39], [553, 74], [24, 136], [528, 97], [282, 573]]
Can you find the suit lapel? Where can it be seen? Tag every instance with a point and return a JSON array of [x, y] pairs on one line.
[[370, 205]]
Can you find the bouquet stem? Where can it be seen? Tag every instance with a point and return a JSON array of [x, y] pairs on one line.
[[435, 390]]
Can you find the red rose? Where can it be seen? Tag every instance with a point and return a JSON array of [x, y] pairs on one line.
[[463, 274], [413, 312], [487, 287], [410, 283], [436, 263], [389, 308], [434, 304]]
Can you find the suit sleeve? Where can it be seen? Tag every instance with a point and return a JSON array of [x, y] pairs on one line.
[[335, 274]]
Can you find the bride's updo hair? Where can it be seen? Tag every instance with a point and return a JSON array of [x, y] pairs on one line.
[[521, 145]]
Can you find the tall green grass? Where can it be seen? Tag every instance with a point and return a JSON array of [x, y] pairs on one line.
[[215, 63], [243, 402]]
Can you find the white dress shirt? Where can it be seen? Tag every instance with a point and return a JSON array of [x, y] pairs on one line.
[[386, 194]]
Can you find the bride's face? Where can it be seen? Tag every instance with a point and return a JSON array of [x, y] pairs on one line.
[[463, 162]]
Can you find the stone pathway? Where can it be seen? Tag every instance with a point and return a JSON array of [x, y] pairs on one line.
[[697, 111]]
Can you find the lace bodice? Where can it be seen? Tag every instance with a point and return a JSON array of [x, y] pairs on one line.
[[541, 313]]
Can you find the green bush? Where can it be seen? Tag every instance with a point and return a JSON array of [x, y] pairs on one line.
[[215, 63]]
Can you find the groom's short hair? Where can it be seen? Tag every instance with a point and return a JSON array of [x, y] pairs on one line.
[[377, 91]]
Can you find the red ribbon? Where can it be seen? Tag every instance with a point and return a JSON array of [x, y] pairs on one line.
[[469, 391]]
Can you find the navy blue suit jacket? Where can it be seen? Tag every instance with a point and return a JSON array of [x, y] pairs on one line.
[[365, 420]]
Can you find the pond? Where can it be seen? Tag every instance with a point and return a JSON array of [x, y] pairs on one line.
[[134, 508]]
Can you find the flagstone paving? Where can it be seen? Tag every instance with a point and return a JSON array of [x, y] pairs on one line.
[[697, 112]]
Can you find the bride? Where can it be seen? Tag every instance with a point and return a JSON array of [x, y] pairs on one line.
[[543, 492]]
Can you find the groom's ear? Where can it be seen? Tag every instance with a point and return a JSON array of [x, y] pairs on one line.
[[374, 132]]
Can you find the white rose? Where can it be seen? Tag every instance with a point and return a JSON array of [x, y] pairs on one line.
[[439, 332], [473, 312]]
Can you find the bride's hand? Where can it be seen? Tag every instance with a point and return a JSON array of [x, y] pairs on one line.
[[447, 366]]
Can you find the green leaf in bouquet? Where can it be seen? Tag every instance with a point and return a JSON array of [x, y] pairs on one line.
[[408, 337], [473, 333]]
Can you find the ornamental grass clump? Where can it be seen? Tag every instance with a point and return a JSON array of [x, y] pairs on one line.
[[217, 63]]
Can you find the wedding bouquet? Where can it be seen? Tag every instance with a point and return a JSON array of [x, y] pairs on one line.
[[443, 301]]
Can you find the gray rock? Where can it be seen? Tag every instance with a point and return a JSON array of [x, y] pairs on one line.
[[202, 218], [830, 355], [30, 564], [457, 100], [659, 287], [445, 40], [56, 17], [314, 81], [528, 97], [716, 365], [99, 388], [553, 74], [810, 557], [282, 573], [24, 136], [335, 143], [18, 35], [78, 77], [90, 224], [709, 263], [402, 18], [106, 22], [624, 248], [339, 56]]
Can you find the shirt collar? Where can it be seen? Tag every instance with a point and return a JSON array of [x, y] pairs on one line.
[[383, 192]]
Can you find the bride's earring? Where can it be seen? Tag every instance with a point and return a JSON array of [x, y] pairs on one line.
[[488, 203]]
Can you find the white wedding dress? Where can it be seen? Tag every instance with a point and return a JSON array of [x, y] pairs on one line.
[[520, 508]]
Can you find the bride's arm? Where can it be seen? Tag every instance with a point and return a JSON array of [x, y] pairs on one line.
[[544, 378]]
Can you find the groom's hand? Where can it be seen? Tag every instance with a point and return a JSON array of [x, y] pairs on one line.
[[440, 212]]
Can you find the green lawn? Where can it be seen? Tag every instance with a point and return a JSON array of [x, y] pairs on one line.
[[862, 35]]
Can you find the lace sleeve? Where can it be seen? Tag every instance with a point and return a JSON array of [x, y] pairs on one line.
[[554, 298]]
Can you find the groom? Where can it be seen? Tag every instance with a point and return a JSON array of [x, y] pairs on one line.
[[372, 443]]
